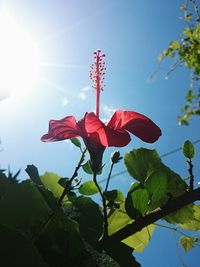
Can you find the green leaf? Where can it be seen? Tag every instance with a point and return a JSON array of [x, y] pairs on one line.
[[17, 250], [115, 196], [183, 7], [192, 223], [156, 186], [87, 167], [118, 220], [33, 174], [137, 201], [176, 186], [90, 219], [4, 184], [141, 163], [188, 150], [187, 217], [50, 181], [61, 244], [140, 240], [23, 208], [76, 142], [88, 188], [63, 181], [175, 45], [187, 242]]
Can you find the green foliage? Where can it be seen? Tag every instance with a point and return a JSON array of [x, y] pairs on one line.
[[156, 186], [193, 222], [33, 219], [137, 201], [50, 181], [23, 208], [4, 184], [141, 239], [188, 150], [18, 250], [119, 219], [114, 196], [186, 51], [88, 188], [87, 167], [89, 217], [33, 174], [141, 163]]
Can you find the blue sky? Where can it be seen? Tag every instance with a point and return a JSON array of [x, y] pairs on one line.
[[131, 33]]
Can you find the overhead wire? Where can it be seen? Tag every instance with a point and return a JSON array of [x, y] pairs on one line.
[[162, 156]]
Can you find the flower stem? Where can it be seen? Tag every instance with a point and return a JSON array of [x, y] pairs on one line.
[[74, 175], [53, 214], [109, 175], [105, 216]]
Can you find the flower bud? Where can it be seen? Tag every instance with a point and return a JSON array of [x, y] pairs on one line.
[[115, 157]]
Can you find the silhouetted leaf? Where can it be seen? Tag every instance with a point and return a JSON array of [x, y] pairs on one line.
[[114, 195], [89, 218], [17, 250], [33, 174], [4, 184], [23, 208]]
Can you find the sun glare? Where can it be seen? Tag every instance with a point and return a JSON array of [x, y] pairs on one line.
[[19, 58]]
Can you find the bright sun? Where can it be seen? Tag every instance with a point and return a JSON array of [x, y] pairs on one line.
[[19, 58]]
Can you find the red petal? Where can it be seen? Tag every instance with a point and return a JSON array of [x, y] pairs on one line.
[[103, 135], [136, 123], [65, 128]]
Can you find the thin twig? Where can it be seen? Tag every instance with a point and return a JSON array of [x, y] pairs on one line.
[[109, 175], [74, 175], [68, 183]]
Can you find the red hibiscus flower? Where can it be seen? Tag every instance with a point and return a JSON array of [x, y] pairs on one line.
[[97, 135]]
